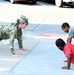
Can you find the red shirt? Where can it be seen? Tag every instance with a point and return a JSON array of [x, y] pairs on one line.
[[69, 49]]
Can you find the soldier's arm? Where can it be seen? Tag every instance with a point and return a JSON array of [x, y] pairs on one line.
[[12, 34], [20, 42], [19, 38]]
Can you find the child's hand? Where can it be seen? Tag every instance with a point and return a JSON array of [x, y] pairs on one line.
[[64, 67]]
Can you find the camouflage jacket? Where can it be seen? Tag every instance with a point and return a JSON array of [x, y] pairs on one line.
[[11, 31]]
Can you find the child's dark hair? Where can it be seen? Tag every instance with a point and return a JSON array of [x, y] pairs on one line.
[[65, 25], [59, 42]]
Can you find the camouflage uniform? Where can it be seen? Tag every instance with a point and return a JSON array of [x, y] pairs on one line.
[[11, 31]]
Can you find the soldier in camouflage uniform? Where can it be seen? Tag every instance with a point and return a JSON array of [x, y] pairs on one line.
[[12, 30]]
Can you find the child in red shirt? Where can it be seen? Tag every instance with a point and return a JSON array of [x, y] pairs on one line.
[[68, 50]]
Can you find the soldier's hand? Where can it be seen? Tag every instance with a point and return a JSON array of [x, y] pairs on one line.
[[24, 49]]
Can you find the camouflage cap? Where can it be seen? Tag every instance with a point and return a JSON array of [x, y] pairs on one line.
[[24, 19]]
